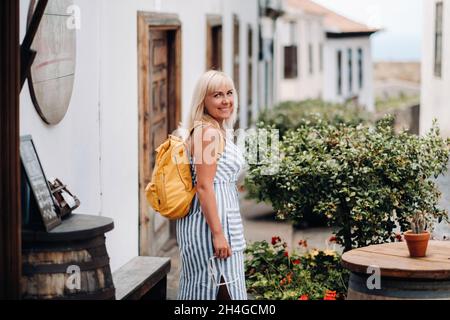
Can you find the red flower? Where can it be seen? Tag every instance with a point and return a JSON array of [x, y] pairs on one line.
[[287, 279], [286, 254], [303, 297], [303, 243], [296, 261], [332, 239], [275, 240], [330, 295]]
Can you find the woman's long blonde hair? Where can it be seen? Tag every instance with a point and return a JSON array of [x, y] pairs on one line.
[[209, 82]]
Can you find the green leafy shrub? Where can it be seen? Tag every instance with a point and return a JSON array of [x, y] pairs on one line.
[[273, 273], [290, 115], [364, 178], [293, 114]]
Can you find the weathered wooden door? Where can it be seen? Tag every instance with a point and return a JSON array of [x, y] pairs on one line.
[[159, 77], [159, 113]]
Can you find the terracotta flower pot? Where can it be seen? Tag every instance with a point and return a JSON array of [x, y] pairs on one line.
[[417, 243]]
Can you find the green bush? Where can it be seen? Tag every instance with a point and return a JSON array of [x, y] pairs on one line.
[[273, 273], [364, 178], [394, 103], [290, 115], [293, 114]]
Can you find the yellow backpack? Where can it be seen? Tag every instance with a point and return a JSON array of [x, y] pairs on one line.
[[170, 191]]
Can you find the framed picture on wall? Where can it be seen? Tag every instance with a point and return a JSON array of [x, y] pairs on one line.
[[38, 183]]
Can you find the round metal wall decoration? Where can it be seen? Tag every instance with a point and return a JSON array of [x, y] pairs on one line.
[[52, 74]]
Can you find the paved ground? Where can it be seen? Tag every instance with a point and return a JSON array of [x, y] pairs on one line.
[[442, 231]]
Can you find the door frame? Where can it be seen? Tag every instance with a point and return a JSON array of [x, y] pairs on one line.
[[236, 65], [212, 21], [250, 78], [148, 21], [10, 209]]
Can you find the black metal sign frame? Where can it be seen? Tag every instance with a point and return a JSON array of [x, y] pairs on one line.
[[38, 183]]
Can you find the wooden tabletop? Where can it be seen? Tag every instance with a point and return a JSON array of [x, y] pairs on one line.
[[75, 227], [394, 261]]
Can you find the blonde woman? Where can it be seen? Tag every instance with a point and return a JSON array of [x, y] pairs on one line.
[[211, 237]]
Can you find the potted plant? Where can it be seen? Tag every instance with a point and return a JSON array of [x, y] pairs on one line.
[[417, 238]]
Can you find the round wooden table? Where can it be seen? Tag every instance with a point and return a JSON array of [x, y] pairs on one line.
[[387, 272]]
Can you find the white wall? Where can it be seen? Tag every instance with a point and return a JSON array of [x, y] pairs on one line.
[[309, 30], [435, 93], [248, 14], [71, 150], [267, 65], [366, 97], [95, 148], [321, 84]]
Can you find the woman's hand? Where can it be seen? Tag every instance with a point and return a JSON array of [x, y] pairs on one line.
[[222, 249]]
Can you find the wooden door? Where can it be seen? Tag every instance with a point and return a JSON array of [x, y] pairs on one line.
[[159, 104], [159, 111]]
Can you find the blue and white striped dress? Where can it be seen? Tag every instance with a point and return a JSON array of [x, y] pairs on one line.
[[198, 281]]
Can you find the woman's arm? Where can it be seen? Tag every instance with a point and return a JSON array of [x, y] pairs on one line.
[[205, 150]]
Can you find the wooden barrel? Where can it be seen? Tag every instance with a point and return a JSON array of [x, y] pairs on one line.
[[69, 262], [397, 289], [400, 276]]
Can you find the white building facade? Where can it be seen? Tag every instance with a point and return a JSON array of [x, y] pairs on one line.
[[435, 93], [332, 58], [97, 149], [300, 38]]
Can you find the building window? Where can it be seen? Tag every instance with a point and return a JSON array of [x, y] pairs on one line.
[[290, 62], [321, 57], [339, 72], [438, 41], [360, 68], [350, 70], [291, 54], [311, 58]]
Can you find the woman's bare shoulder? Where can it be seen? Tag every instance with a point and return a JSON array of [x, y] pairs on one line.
[[206, 136]]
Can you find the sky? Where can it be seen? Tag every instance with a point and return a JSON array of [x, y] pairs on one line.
[[401, 21]]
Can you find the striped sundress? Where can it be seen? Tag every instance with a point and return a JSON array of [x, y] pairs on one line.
[[199, 275]]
